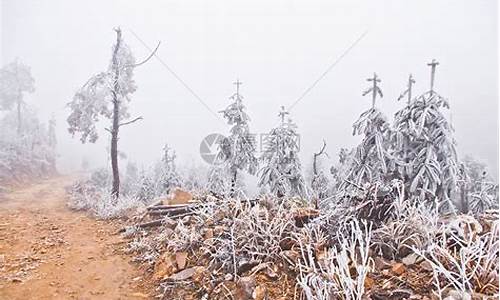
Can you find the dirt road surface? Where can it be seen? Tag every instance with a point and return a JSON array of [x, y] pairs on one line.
[[50, 252]]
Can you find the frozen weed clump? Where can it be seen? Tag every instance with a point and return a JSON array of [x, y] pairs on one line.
[[413, 226], [184, 238], [246, 235], [464, 257], [93, 195], [327, 273]]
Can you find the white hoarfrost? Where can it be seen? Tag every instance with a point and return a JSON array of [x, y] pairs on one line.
[[282, 170]]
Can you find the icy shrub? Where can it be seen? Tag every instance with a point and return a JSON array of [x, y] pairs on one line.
[[93, 195], [465, 255]]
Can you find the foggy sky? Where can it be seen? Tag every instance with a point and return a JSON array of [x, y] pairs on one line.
[[278, 49]]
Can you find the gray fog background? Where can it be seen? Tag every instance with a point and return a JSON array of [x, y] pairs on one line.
[[277, 48]]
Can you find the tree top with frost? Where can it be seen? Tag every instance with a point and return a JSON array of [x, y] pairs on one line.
[[238, 149], [15, 79], [282, 170], [95, 98]]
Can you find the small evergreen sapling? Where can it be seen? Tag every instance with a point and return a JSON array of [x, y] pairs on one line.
[[169, 178], [282, 170], [237, 151], [369, 160], [426, 148]]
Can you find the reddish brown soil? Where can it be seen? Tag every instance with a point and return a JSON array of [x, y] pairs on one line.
[[50, 252]]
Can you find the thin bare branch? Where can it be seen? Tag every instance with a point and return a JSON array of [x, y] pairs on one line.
[[130, 122], [148, 58]]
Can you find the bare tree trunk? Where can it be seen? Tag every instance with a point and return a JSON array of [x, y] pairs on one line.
[[115, 192], [19, 116], [233, 183]]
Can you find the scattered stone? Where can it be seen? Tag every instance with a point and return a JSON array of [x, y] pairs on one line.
[[178, 197], [380, 263], [303, 215], [164, 266], [259, 293], [183, 275], [246, 287], [180, 258], [218, 230], [426, 265], [457, 295], [411, 259], [398, 268], [209, 234], [245, 266], [266, 269], [291, 256], [369, 282]]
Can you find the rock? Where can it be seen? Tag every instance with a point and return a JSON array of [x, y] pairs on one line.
[[266, 269], [179, 197], [369, 282], [426, 266], [209, 234], [398, 268], [164, 266], [380, 263], [184, 274], [411, 259], [244, 265], [245, 288], [259, 293], [199, 274], [180, 258], [457, 295], [302, 216], [218, 230], [290, 256]]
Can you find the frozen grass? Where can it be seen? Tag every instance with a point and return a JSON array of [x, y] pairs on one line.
[[465, 258], [98, 201], [327, 273]]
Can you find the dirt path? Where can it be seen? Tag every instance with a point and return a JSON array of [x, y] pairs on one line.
[[50, 252]]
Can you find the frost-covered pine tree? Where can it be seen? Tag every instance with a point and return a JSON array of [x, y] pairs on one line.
[[15, 80], [168, 175], [217, 181], [147, 189], [281, 170], [369, 160], [106, 95], [478, 190], [426, 148], [401, 136], [237, 151]]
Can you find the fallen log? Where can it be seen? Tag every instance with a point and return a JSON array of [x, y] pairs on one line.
[[169, 213], [173, 211], [156, 203], [165, 207], [158, 222]]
